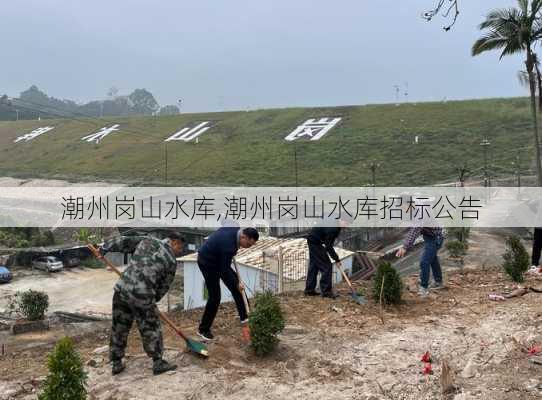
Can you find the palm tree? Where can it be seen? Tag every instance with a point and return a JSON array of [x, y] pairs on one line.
[[523, 77], [516, 30]]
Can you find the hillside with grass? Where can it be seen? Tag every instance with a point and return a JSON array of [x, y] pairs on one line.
[[248, 147]]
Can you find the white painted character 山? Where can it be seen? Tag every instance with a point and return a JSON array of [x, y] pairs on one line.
[[190, 133]]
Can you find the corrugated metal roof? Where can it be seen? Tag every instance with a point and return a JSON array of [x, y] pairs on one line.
[[45, 249], [264, 253]]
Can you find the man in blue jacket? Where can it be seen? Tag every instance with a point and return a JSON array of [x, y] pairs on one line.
[[214, 261]]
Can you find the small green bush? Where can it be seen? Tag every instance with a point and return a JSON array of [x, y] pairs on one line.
[[516, 259], [46, 238], [86, 235], [25, 237], [460, 234], [31, 304], [92, 262], [456, 248], [393, 285], [66, 379], [266, 321]]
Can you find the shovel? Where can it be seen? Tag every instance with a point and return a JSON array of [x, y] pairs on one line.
[[192, 345], [357, 298], [241, 287], [245, 328]]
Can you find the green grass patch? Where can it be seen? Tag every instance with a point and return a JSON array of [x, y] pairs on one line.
[[248, 148]]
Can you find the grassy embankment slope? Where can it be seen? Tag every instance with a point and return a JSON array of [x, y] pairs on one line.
[[248, 148]]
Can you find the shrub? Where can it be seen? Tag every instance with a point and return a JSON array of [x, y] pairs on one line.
[[393, 285], [460, 234], [516, 259], [31, 304], [20, 243], [46, 238], [92, 262], [85, 235], [66, 379], [266, 321], [25, 237], [456, 248]]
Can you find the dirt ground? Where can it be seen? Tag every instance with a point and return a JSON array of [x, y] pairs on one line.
[[333, 349], [76, 290], [72, 289]]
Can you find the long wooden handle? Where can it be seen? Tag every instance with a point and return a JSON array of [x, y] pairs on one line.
[[110, 265], [242, 289], [345, 276]]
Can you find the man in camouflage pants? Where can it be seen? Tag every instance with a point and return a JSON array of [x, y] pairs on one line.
[[145, 281]]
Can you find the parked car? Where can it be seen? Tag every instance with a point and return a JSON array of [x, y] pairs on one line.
[[5, 275], [48, 263], [71, 261]]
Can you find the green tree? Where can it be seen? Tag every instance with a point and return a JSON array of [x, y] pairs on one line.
[[516, 259], [523, 77], [516, 30], [32, 304], [266, 321], [460, 233], [456, 248], [34, 96], [171, 109], [66, 379], [83, 235], [393, 285], [143, 102]]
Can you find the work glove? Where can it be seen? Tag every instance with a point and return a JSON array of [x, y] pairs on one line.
[[102, 251]]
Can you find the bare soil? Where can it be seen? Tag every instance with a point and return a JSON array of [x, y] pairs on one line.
[[333, 349]]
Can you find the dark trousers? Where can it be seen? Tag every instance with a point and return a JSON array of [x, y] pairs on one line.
[[429, 261], [148, 323], [212, 275], [537, 246], [319, 262]]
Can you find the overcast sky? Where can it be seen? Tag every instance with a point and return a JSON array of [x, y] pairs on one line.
[[241, 54]]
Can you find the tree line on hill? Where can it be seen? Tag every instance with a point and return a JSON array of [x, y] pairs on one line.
[[35, 104]]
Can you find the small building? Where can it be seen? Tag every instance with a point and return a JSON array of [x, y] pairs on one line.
[[277, 265]]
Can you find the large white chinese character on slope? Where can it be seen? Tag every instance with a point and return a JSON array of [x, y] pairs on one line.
[[34, 134], [187, 134], [100, 134], [313, 129]]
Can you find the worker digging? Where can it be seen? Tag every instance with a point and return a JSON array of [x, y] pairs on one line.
[[320, 241], [214, 260], [145, 281]]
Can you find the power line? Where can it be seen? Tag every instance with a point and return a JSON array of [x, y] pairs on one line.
[[84, 118]]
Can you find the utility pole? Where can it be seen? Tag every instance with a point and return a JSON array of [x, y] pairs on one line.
[[373, 168], [165, 169], [462, 173], [517, 164], [295, 165], [485, 143], [397, 90], [17, 112], [296, 182]]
